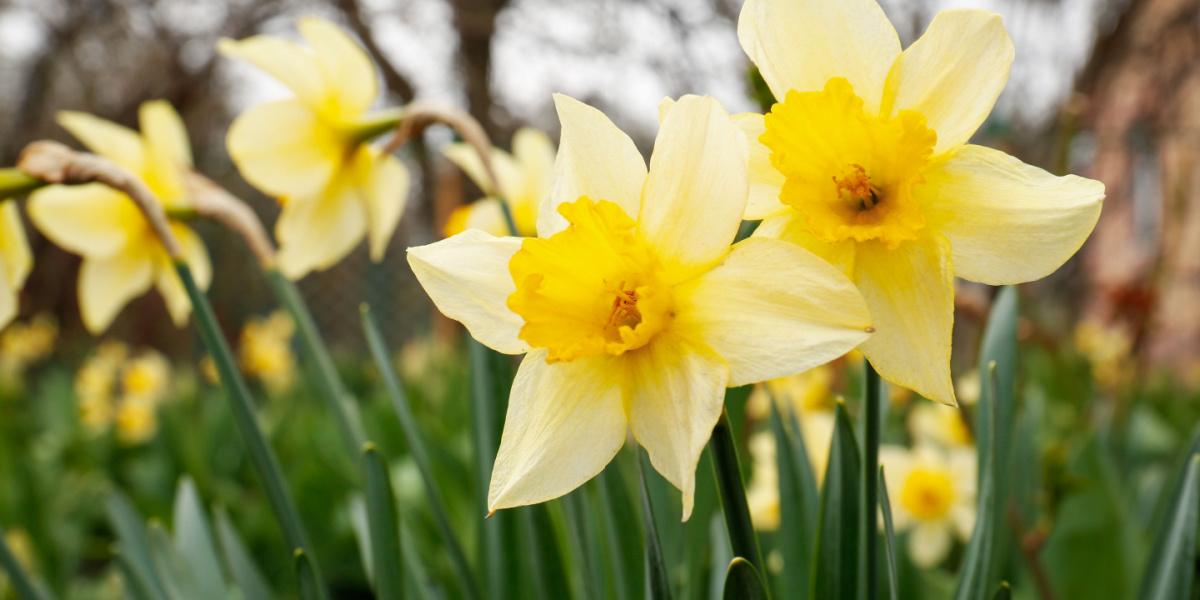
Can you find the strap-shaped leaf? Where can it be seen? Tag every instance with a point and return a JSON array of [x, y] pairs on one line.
[[835, 573]]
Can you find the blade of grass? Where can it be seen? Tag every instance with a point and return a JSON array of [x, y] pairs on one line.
[[797, 508], [245, 571], [549, 573], [240, 403], [733, 493], [622, 533], [889, 538], [21, 580], [835, 569], [743, 581], [311, 587], [385, 530], [873, 401], [337, 398], [973, 579], [177, 575], [995, 421], [1172, 567], [418, 451], [133, 543], [656, 565], [1004, 592], [482, 411], [136, 582], [194, 541], [586, 543]]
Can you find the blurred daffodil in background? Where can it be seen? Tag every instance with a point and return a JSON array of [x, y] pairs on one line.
[[524, 177], [939, 424], [16, 260], [266, 353], [312, 152], [26, 343], [810, 397], [1107, 348], [122, 257], [864, 161], [633, 308], [122, 392], [932, 492], [762, 495]]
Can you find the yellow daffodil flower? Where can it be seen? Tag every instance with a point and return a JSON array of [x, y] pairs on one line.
[[762, 495], [266, 351], [310, 151], [146, 377], [16, 260], [1107, 348], [95, 383], [864, 161], [122, 257], [635, 311], [939, 424], [136, 420], [932, 491], [26, 343], [524, 179]]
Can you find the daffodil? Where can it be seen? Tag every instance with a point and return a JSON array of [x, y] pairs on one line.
[[26, 343], [311, 152], [932, 492], [809, 396], [864, 161], [524, 178], [136, 420], [762, 495], [939, 424], [266, 351], [146, 377], [15, 260], [122, 257], [632, 308], [95, 383]]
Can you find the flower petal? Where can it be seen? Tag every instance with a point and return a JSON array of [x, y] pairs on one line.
[[928, 544], [696, 189], [772, 309], [910, 291], [802, 44], [595, 159], [14, 246], [953, 74], [676, 393], [290, 63], [565, 422], [534, 153], [284, 149], [484, 214], [385, 191], [108, 284], [91, 220], [315, 234], [791, 226], [1008, 222], [165, 132], [166, 279], [467, 278], [467, 159], [348, 73], [765, 180], [9, 298], [114, 142]]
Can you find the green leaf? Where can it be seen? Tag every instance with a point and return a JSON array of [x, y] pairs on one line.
[[889, 538], [136, 580], [732, 490], [586, 543], [246, 573], [835, 570], [798, 506], [873, 420], [483, 409], [656, 564], [995, 420], [1172, 567], [385, 530], [549, 572], [176, 574], [419, 452], [1004, 592], [133, 545], [974, 578], [21, 580], [194, 541], [622, 533], [743, 581], [311, 587]]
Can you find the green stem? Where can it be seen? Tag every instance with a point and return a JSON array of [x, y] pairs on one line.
[[733, 493], [385, 528], [375, 125], [241, 405], [16, 573], [418, 451], [873, 404], [333, 391], [14, 182], [481, 426], [509, 220]]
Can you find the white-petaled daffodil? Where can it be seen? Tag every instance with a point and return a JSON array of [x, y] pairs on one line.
[[932, 491], [16, 260], [122, 256], [864, 161], [633, 308], [524, 178], [311, 151]]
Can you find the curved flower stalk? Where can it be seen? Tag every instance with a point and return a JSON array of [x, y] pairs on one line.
[[311, 151], [122, 256], [634, 310], [16, 260], [864, 161], [933, 497], [524, 178]]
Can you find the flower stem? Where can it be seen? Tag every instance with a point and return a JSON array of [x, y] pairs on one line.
[[21, 581], [872, 401], [733, 493], [14, 182], [375, 125]]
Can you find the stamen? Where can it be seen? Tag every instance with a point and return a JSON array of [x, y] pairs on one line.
[[855, 187]]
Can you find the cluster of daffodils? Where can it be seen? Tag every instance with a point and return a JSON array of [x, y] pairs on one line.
[[635, 310], [26, 343], [265, 351], [119, 391]]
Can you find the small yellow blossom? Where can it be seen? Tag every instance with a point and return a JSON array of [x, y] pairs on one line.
[[208, 370], [146, 377], [16, 260], [122, 257], [266, 351], [115, 390], [95, 385], [136, 420], [25, 344], [524, 178], [939, 424], [633, 308], [864, 161], [309, 151], [932, 493], [21, 545], [1107, 348], [762, 495]]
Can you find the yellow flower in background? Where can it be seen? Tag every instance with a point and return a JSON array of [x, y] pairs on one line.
[[1107, 348], [864, 162], [95, 383], [146, 377], [762, 495], [116, 390], [932, 492], [524, 178], [16, 260], [939, 424], [635, 311], [802, 393], [136, 420], [265, 351], [309, 151], [26, 343], [122, 257], [969, 387]]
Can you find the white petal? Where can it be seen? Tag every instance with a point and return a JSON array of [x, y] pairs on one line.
[[928, 544], [385, 191], [92, 220], [349, 75], [284, 149], [765, 180], [114, 142], [315, 234]]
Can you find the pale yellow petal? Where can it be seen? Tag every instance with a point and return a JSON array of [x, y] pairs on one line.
[[108, 284], [928, 544], [765, 180], [772, 309], [696, 190], [676, 391], [165, 132], [466, 158], [565, 422], [348, 73], [315, 234], [953, 74], [167, 279], [790, 226], [385, 192], [534, 153], [284, 149], [910, 292], [9, 298], [467, 278], [92, 220], [595, 159], [14, 246], [1008, 222], [484, 214], [802, 44], [292, 64], [114, 142]]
